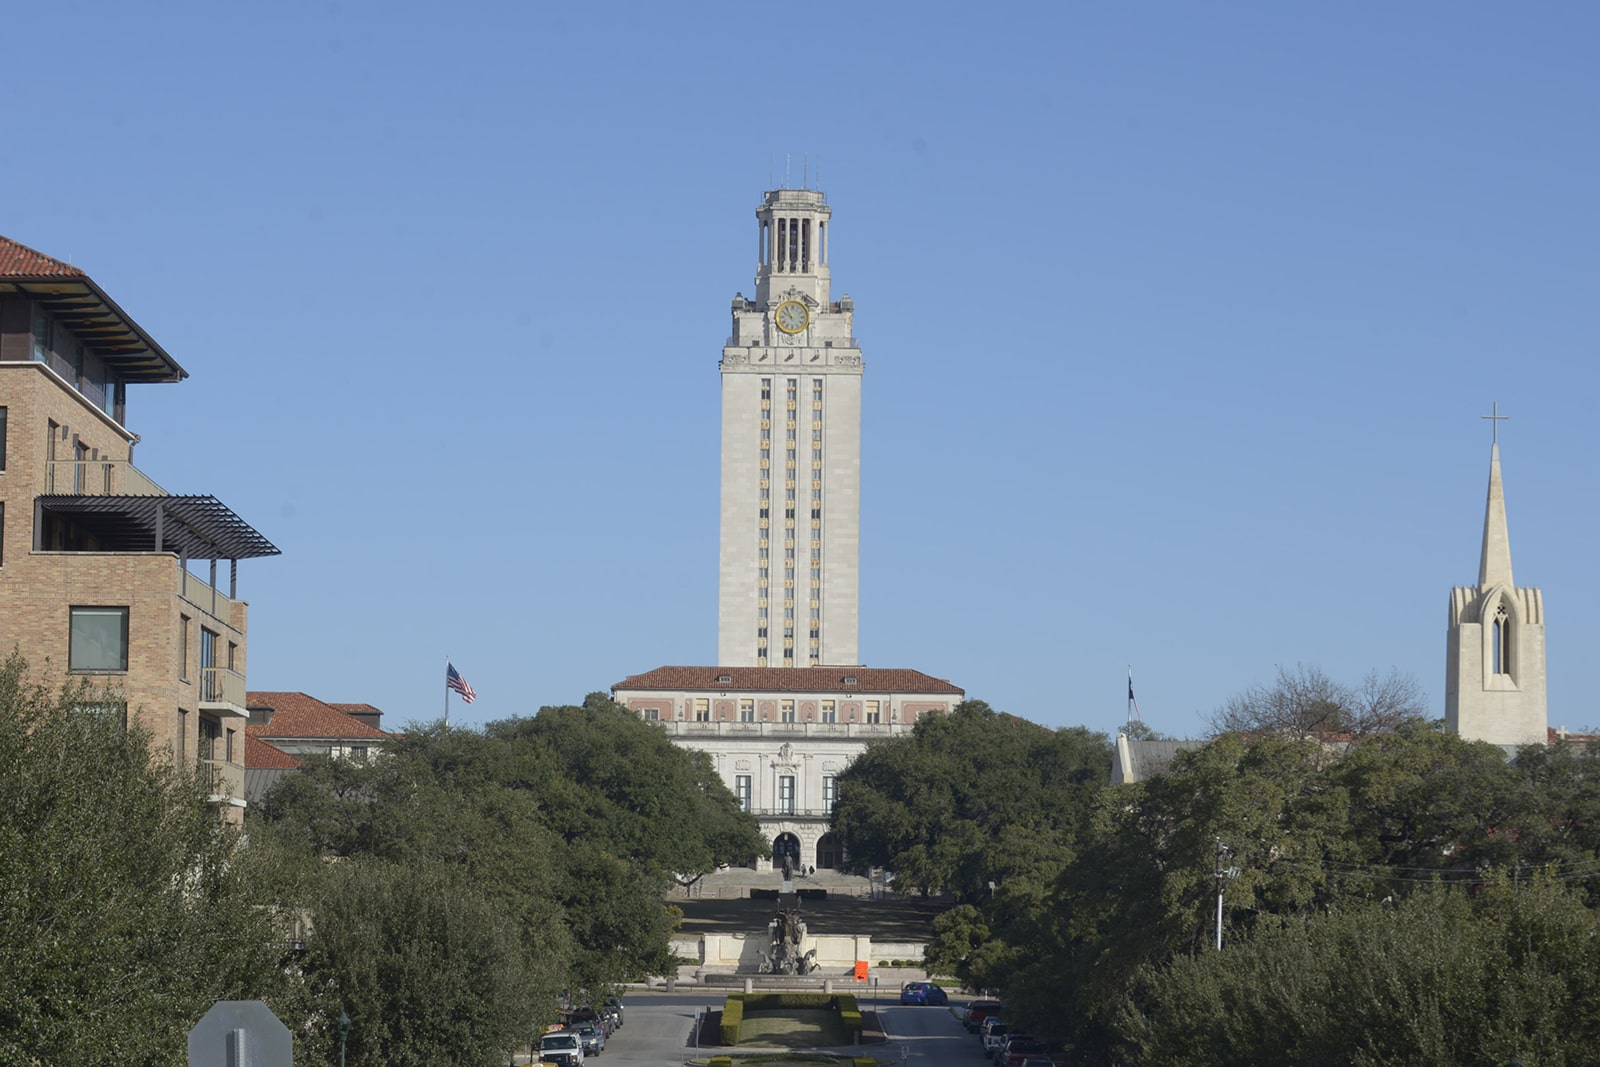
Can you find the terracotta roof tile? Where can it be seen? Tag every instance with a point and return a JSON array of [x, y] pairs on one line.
[[792, 680], [299, 715], [259, 754], [19, 261]]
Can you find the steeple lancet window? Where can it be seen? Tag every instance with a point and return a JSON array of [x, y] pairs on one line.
[[1501, 651]]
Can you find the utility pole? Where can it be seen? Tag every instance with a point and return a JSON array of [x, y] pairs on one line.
[[1224, 876]]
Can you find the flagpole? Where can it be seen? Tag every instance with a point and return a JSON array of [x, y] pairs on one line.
[[447, 690]]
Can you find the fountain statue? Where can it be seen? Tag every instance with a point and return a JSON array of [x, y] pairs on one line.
[[784, 957]]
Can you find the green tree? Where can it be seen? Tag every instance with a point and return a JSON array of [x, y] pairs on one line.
[[567, 827], [970, 798], [1441, 978], [123, 908], [428, 969]]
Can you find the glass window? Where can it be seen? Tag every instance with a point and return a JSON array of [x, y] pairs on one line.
[[786, 794], [210, 731], [651, 715], [2, 438], [741, 790], [747, 708], [183, 647], [829, 793], [873, 714], [702, 709], [99, 640], [210, 684], [788, 711], [829, 714]]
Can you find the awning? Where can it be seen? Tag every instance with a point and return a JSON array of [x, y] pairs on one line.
[[199, 527]]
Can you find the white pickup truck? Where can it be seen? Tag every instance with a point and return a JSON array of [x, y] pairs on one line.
[[561, 1047]]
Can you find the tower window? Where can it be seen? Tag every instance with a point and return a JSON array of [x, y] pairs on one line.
[[1501, 652]]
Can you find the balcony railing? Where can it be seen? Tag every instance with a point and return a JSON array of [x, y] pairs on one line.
[[222, 780], [219, 685], [98, 477], [791, 813], [781, 729]]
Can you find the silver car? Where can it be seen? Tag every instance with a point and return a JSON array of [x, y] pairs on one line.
[[593, 1039]]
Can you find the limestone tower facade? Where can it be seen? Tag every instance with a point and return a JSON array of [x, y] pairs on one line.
[[791, 452], [1495, 673]]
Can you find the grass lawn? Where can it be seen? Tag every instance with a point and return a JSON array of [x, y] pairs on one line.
[[794, 1028]]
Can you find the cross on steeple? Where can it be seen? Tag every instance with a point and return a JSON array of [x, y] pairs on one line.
[[1495, 420]]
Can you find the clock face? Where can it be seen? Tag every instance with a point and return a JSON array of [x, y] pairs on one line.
[[792, 316]]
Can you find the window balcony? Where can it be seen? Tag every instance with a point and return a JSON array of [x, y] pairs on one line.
[[222, 691], [222, 780], [98, 477]]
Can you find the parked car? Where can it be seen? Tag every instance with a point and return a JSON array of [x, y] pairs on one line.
[[612, 1004], [561, 1047], [923, 993], [997, 1052], [593, 1039], [1019, 1049], [994, 1035], [977, 1011]]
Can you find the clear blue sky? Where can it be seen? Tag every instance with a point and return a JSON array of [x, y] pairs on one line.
[[1178, 319]]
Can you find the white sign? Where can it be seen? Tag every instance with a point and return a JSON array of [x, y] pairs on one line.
[[240, 1033]]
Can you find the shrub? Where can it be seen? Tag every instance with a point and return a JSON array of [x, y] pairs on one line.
[[732, 1019], [720, 1061], [863, 1061]]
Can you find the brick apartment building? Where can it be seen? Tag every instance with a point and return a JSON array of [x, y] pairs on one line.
[[97, 561]]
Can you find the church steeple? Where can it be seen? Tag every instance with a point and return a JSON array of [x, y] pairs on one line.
[[1495, 666], [1494, 566]]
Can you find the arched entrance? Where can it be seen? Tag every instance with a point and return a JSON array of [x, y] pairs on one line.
[[786, 846], [830, 856]]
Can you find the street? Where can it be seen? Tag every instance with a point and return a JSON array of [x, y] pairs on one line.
[[659, 1030]]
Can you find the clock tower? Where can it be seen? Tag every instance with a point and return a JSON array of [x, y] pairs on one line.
[[791, 452]]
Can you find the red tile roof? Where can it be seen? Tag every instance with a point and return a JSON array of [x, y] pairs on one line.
[[19, 261], [260, 755], [356, 709], [299, 715], [792, 680]]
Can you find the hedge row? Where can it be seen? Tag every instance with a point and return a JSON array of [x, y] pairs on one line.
[[720, 1061], [732, 1019], [849, 1014], [737, 1004]]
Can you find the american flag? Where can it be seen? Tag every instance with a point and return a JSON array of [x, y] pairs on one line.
[[453, 680]]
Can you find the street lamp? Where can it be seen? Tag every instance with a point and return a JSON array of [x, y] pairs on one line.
[[344, 1033]]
